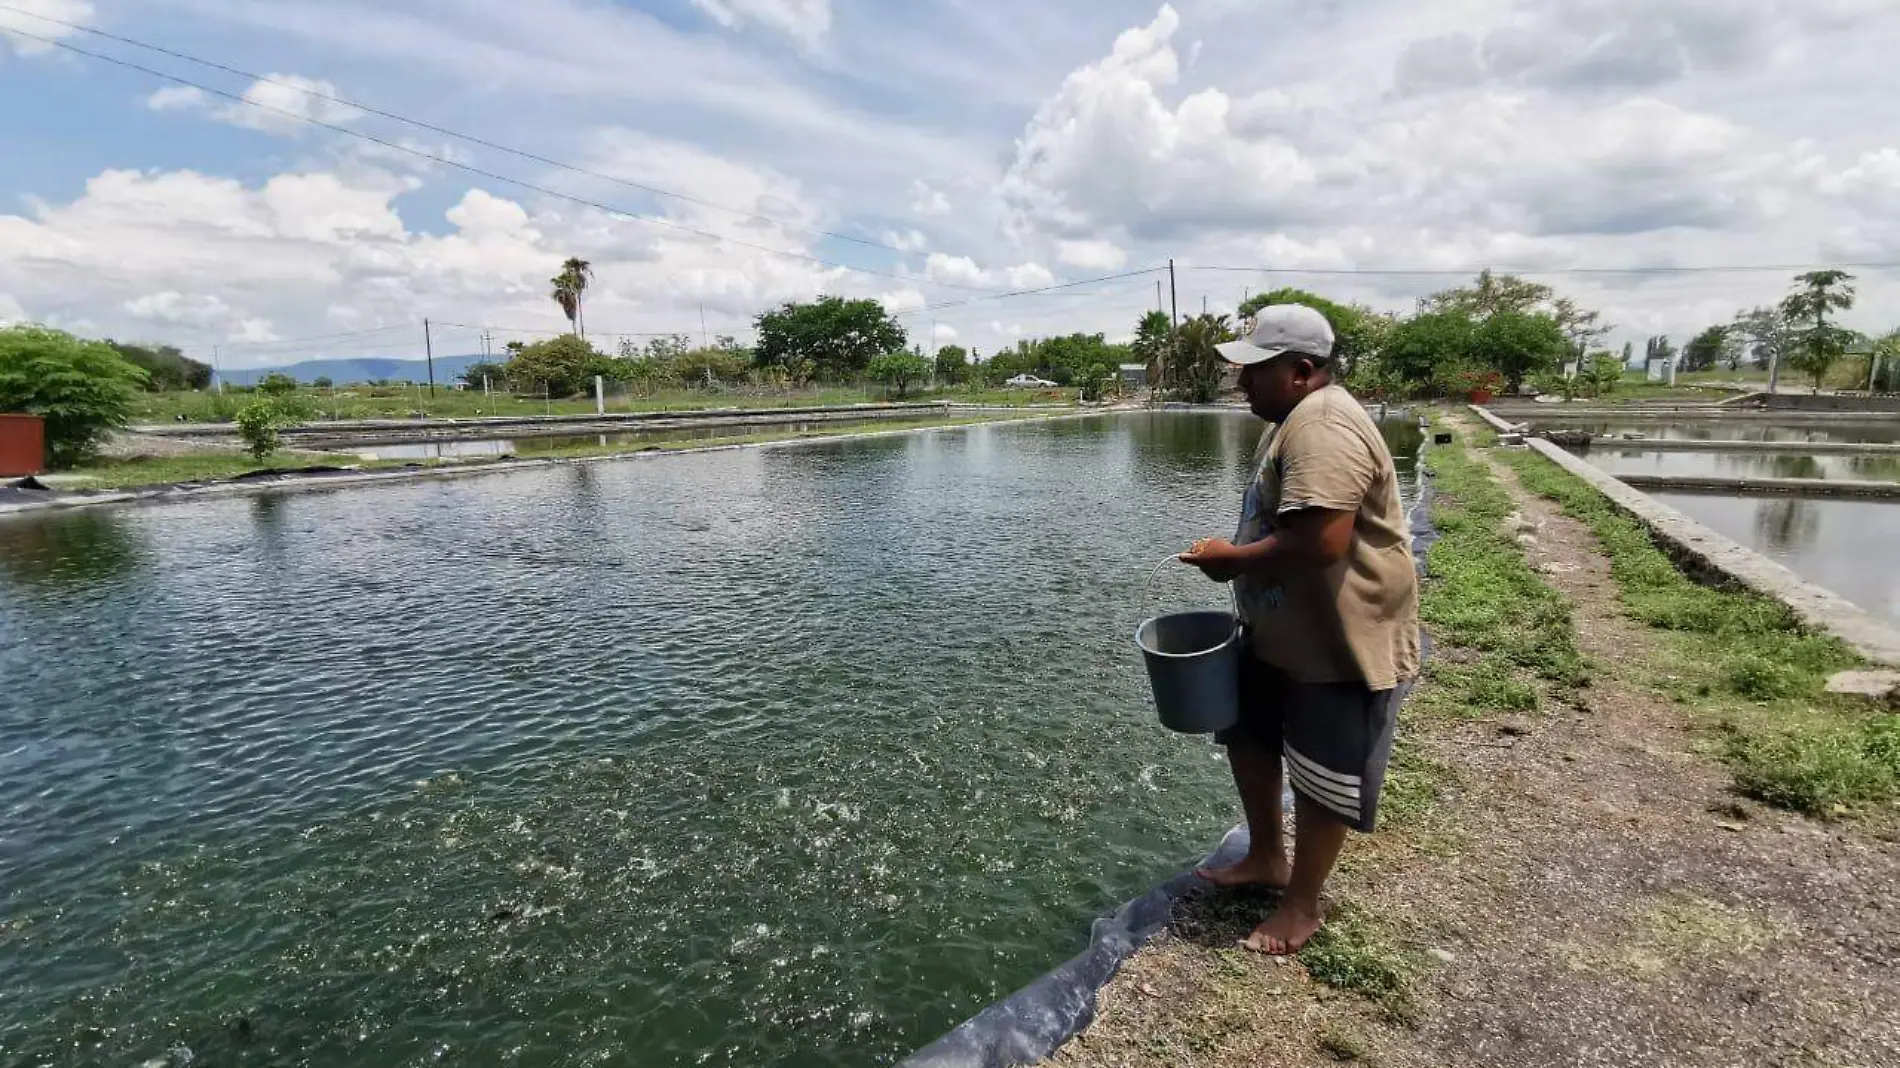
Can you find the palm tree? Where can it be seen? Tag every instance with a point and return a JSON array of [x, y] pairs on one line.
[[569, 286]]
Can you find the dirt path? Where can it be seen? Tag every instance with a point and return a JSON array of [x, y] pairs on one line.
[[1598, 897]]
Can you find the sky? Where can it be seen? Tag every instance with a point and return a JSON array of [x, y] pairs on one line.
[[713, 158]]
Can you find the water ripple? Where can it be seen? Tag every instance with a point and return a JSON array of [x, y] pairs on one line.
[[786, 757]]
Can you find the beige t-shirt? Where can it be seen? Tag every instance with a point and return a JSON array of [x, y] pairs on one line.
[[1357, 619]]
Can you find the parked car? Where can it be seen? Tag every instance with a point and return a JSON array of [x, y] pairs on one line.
[[1029, 382]]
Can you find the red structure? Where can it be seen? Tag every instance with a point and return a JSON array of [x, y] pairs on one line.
[[22, 445]]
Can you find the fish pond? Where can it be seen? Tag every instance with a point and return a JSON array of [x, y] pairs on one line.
[[794, 756]]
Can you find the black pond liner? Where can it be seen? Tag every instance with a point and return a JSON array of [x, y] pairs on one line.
[[1035, 1021]]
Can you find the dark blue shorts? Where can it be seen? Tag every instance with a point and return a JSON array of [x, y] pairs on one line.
[[1336, 737]]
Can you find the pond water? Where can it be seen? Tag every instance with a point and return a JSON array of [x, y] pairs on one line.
[[1733, 430], [1844, 545], [538, 443], [1621, 461], [788, 757]]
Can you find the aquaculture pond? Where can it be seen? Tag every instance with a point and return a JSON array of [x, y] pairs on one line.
[[794, 756]]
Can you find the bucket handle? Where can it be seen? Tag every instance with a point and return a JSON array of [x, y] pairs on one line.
[[1148, 588]]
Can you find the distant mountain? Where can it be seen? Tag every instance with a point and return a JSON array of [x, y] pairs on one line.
[[447, 370]]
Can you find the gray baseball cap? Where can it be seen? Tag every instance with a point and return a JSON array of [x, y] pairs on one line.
[[1281, 328]]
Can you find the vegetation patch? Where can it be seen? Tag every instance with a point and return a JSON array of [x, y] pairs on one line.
[[1482, 595], [1355, 952], [1744, 664]]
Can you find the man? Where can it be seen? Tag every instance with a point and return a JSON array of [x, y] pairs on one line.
[[1323, 572]]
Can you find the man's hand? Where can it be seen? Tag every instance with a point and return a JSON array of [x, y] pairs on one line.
[[1217, 558]]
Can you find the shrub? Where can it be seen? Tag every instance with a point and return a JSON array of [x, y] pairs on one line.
[[83, 389], [259, 422], [277, 384]]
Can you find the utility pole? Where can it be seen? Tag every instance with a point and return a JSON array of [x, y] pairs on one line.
[[1174, 302], [217, 371], [1203, 304], [704, 341], [1160, 305], [428, 349]]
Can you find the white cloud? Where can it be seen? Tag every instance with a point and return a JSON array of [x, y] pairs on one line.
[[942, 334], [177, 98], [927, 201], [806, 21], [907, 241], [11, 311], [1092, 255], [1029, 276], [900, 301], [77, 12], [955, 270], [171, 306], [278, 103]]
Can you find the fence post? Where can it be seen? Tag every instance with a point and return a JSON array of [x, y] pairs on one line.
[[600, 396]]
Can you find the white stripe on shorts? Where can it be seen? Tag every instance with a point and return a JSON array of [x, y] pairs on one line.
[[1348, 783], [1345, 805]]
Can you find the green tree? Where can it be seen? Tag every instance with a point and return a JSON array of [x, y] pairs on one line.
[[277, 384], [952, 364], [1097, 379], [1517, 344], [1195, 366], [709, 368], [569, 287], [1490, 294], [82, 389], [840, 337], [557, 365], [1152, 340], [322, 382], [1706, 349], [474, 373], [1886, 355], [1430, 346], [899, 370], [1817, 342], [1358, 332], [165, 367]]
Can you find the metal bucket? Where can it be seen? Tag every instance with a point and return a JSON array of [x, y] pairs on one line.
[[1193, 663]]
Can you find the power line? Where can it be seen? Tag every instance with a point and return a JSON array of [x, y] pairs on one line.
[[491, 175], [1433, 272], [282, 342], [1032, 292], [553, 333], [446, 132]]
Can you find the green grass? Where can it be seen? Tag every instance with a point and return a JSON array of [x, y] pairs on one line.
[[1355, 952], [1483, 596], [1744, 664], [193, 467], [403, 402]]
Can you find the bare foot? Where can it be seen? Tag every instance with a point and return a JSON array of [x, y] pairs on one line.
[[1286, 930], [1254, 869]]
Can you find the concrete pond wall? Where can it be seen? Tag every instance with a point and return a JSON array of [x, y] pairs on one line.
[[1712, 557]]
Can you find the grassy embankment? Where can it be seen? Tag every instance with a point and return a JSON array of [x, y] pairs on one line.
[[403, 402], [122, 473], [1743, 667]]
